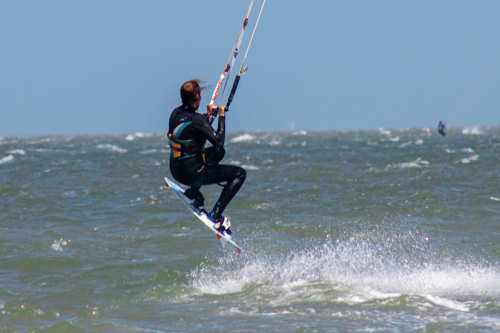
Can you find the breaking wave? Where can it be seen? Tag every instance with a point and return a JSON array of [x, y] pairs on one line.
[[17, 152], [472, 131], [467, 160], [418, 163], [299, 133], [6, 159], [138, 135], [243, 138], [112, 148]]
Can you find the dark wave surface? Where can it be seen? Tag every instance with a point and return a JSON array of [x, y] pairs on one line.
[[379, 231]]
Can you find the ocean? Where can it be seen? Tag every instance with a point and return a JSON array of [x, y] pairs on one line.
[[341, 231]]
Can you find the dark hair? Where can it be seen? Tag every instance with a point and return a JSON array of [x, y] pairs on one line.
[[190, 92]]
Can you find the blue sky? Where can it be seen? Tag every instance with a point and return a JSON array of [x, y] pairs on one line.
[[115, 66]]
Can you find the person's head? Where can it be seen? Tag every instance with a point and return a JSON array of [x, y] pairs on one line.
[[191, 93]]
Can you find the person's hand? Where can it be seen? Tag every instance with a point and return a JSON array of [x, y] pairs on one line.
[[222, 111], [211, 109]]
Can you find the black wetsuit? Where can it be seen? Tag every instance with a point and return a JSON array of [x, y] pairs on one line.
[[193, 165], [441, 128]]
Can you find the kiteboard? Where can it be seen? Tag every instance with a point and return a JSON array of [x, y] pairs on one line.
[[201, 214]]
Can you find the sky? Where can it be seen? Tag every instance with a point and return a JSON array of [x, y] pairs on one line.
[[116, 66]]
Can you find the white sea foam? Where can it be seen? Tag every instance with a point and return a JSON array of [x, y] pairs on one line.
[[70, 194], [405, 144], [143, 135], [384, 131], [263, 206], [138, 135], [17, 152], [59, 244], [467, 160], [418, 163], [112, 148], [6, 159], [454, 305], [494, 198], [394, 139], [275, 142], [243, 138], [419, 142], [37, 141], [148, 151], [472, 131], [467, 150], [299, 133], [250, 167]]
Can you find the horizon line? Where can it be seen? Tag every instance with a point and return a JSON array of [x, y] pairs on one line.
[[141, 134]]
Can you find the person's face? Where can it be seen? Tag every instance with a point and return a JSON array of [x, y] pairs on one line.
[[196, 103]]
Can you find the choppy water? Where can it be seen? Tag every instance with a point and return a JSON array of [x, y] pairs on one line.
[[377, 231]]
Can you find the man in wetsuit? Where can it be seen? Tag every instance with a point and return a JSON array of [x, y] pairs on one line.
[[194, 165], [441, 128]]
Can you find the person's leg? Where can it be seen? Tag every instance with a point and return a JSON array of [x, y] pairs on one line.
[[232, 176], [214, 155], [184, 171], [194, 193]]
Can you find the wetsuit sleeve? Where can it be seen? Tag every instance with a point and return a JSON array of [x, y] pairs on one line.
[[210, 120], [216, 138]]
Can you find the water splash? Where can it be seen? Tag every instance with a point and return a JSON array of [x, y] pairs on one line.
[[361, 268]]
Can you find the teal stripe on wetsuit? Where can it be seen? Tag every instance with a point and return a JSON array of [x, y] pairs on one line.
[[177, 133]]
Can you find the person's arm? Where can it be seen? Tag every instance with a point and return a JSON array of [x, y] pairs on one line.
[[216, 138], [210, 116]]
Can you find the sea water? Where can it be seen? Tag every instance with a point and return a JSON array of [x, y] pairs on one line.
[[372, 231]]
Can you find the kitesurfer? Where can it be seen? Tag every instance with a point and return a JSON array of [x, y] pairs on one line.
[[194, 165], [441, 128]]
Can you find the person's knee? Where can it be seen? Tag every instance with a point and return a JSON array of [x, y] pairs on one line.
[[241, 175]]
